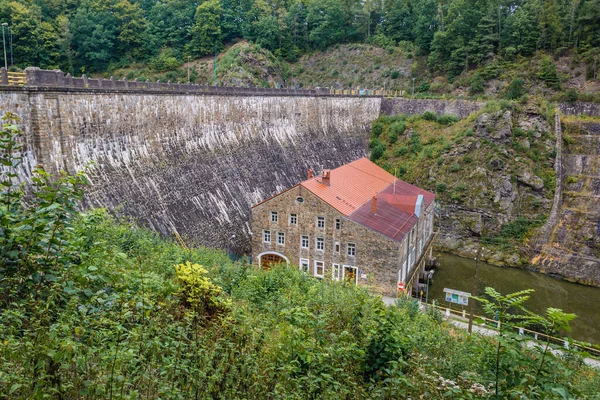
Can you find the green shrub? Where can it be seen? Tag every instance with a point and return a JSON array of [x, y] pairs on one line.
[[571, 95], [455, 167], [415, 143], [377, 149], [423, 87], [515, 89], [395, 75], [400, 151], [429, 116], [467, 159], [377, 128], [398, 127], [392, 138], [441, 188], [461, 187], [548, 75], [447, 119], [477, 85]]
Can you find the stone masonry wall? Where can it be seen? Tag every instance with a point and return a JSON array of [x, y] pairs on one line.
[[191, 163], [376, 256]]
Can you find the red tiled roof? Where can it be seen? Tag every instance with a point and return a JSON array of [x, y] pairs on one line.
[[351, 185], [351, 189]]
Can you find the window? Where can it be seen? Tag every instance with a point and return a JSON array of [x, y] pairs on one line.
[[305, 265], [336, 272], [281, 238], [319, 269], [351, 249], [274, 216], [293, 219], [338, 224], [336, 247], [320, 222], [320, 244], [304, 242], [267, 236], [350, 274]]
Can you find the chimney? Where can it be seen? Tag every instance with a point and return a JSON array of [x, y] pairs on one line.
[[310, 173], [325, 178], [374, 205]]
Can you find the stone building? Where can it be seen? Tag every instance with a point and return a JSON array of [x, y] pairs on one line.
[[356, 223]]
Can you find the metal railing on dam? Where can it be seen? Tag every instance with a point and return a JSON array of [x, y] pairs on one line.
[[38, 78]]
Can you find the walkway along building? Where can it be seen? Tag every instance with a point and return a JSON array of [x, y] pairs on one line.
[[356, 223]]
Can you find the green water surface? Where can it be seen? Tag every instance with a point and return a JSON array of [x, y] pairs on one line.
[[459, 273]]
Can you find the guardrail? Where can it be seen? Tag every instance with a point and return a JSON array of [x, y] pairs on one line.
[[35, 77], [495, 325]]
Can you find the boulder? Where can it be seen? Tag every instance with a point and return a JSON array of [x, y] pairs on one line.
[[527, 178], [496, 127], [504, 193], [534, 123]]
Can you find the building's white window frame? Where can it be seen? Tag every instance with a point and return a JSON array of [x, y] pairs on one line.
[[293, 219], [304, 265], [336, 247], [322, 242], [336, 272], [338, 224], [266, 236], [274, 217], [281, 238], [355, 272], [321, 222], [302, 242], [351, 249], [322, 264]]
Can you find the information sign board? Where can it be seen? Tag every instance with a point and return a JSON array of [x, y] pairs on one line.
[[456, 296]]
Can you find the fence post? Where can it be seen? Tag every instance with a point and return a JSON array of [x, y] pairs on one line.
[[535, 336], [69, 80], [447, 312], [3, 76], [85, 80], [521, 332], [464, 314], [125, 83], [566, 343]]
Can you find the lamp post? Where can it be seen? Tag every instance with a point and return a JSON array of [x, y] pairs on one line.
[[472, 305], [4, 45], [12, 62]]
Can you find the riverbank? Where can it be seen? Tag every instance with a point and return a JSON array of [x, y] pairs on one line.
[[459, 274]]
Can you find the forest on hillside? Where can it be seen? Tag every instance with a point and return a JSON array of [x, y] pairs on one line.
[[83, 36]]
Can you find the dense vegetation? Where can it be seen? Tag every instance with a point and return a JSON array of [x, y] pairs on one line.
[[95, 307], [94, 35]]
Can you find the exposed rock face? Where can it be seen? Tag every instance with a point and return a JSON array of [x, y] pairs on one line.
[[496, 127], [530, 180]]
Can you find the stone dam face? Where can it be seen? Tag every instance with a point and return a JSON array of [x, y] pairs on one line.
[[189, 163]]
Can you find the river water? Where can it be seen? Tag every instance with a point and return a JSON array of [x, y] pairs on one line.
[[459, 273]]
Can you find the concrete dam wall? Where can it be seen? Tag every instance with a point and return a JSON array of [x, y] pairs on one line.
[[188, 163]]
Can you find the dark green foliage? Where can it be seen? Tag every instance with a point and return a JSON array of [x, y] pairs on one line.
[[441, 187], [398, 127], [477, 84], [515, 90], [376, 129], [517, 229], [571, 95], [377, 149], [429, 116], [393, 137], [548, 74], [447, 119], [400, 151], [415, 143]]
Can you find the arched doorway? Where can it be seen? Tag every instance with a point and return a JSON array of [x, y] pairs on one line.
[[268, 259]]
